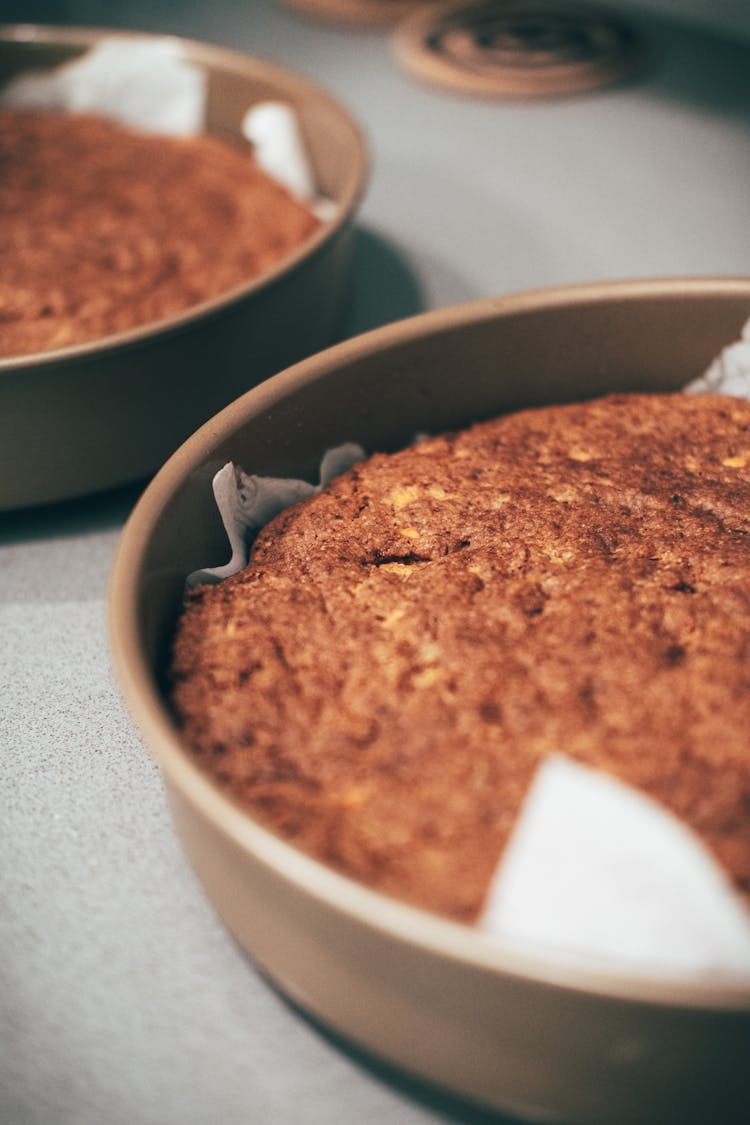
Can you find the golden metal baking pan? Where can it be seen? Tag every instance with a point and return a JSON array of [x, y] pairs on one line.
[[522, 1031], [96, 415]]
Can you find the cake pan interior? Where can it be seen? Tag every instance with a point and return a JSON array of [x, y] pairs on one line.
[[99, 414], [518, 1031]]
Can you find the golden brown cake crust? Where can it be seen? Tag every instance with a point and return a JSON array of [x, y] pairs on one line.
[[104, 228], [381, 681]]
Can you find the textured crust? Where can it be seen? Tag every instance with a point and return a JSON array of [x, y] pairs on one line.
[[105, 228], [381, 681]]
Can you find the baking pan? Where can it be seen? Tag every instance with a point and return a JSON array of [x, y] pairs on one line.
[[96, 415], [519, 1031]]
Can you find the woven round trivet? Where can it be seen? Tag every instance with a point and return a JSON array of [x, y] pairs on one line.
[[374, 12], [518, 48]]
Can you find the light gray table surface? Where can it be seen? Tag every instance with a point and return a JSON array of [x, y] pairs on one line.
[[122, 998]]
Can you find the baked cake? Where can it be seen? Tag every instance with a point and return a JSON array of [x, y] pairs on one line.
[[379, 684], [105, 228]]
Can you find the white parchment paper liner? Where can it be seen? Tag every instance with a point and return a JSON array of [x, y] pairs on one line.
[[149, 85], [247, 503], [144, 84], [595, 870], [729, 374]]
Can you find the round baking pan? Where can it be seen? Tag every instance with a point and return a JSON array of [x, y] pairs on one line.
[[520, 1031], [105, 412]]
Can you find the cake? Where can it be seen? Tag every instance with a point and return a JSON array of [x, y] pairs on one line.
[[405, 647], [105, 228]]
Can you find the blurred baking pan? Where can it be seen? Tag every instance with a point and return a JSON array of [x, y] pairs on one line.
[[99, 414]]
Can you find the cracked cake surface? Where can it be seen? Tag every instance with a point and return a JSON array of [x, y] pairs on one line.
[[380, 683]]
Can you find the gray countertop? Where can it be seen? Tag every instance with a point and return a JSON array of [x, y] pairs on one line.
[[122, 998]]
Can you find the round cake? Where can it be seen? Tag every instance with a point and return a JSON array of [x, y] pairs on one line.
[[106, 228], [380, 683]]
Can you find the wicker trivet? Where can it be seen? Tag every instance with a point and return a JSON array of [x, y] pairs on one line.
[[374, 12], [518, 48]]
